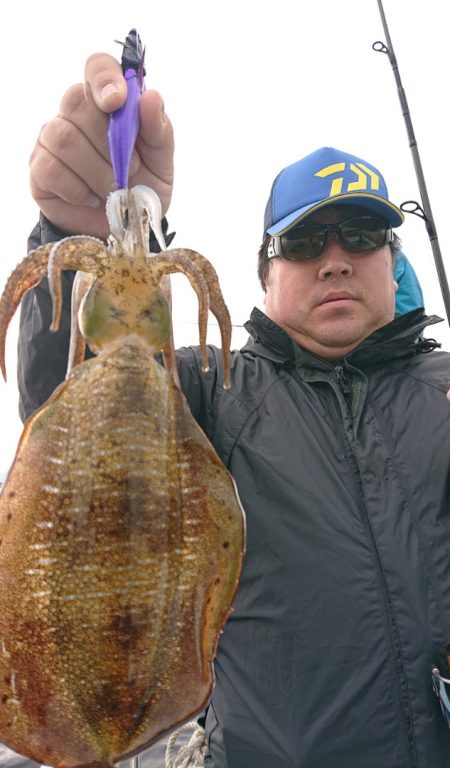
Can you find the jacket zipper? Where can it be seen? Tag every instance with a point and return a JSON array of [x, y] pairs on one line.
[[344, 383], [342, 379], [346, 389]]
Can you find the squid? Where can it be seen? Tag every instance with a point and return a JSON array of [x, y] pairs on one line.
[[121, 532]]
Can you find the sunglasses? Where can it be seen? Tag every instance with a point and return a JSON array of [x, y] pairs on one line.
[[307, 241]]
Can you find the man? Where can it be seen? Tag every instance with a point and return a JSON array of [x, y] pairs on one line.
[[337, 432]]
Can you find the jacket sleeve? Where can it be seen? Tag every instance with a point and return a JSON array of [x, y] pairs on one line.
[[201, 388], [41, 354]]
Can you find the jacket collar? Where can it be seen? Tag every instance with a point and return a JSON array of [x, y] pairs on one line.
[[399, 338]]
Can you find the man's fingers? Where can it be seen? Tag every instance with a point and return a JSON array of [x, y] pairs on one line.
[[64, 198], [104, 75], [75, 220], [51, 173], [155, 146], [65, 141], [50, 177], [79, 108], [156, 126]]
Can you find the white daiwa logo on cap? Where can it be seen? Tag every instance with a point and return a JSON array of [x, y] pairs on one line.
[[365, 178]]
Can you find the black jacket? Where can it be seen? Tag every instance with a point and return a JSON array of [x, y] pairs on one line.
[[344, 602]]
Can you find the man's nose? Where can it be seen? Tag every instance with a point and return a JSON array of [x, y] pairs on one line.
[[334, 260]]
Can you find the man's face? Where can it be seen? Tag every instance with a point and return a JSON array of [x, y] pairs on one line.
[[332, 303]]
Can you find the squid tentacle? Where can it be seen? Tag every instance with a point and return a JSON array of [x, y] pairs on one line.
[[146, 200], [217, 304], [166, 264], [149, 213], [24, 277], [83, 254], [77, 347]]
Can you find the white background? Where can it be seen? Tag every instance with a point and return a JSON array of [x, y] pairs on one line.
[[250, 88]]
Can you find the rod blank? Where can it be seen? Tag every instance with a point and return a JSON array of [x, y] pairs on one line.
[[425, 211]]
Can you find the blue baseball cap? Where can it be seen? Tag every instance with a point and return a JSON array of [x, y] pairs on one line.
[[326, 177]]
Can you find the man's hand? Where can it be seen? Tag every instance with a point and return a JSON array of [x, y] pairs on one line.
[[70, 169]]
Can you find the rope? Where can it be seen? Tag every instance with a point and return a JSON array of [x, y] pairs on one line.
[[191, 755]]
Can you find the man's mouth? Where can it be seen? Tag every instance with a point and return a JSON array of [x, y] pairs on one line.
[[337, 296]]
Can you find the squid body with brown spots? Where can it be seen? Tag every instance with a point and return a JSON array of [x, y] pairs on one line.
[[121, 532]]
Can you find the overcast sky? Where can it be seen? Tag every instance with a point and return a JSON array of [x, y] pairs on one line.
[[250, 88]]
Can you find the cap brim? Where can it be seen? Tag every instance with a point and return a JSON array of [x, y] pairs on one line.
[[377, 205]]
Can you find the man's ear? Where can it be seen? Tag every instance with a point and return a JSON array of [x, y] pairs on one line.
[[266, 277]]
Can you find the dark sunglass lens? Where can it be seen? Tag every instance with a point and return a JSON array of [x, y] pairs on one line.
[[364, 234], [304, 242]]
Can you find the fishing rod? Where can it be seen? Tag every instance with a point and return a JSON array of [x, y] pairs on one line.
[[411, 206]]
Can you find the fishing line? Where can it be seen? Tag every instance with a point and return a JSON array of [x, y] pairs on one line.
[[411, 206]]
